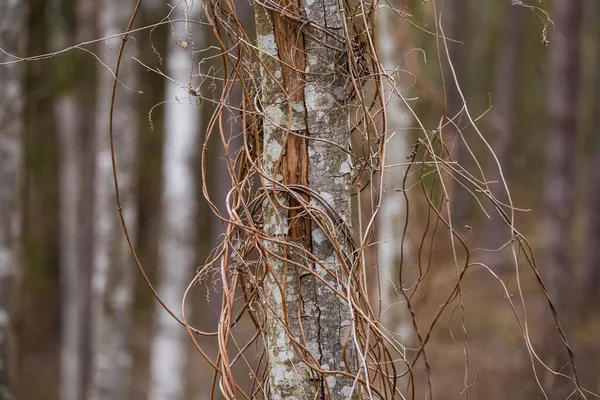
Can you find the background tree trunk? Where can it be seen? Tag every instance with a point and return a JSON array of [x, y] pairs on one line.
[[458, 29], [591, 255], [316, 100], [65, 109], [114, 271], [39, 299], [12, 26], [394, 252], [176, 248], [562, 93], [503, 124], [75, 111]]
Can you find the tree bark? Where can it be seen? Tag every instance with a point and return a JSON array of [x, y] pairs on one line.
[[12, 26], [176, 251], [314, 93], [114, 271]]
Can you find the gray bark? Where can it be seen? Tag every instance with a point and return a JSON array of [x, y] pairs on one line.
[[176, 252], [316, 99], [12, 23], [114, 271]]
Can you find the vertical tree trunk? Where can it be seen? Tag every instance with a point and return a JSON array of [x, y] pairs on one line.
[[71, 305], [316, 101], [75, 111], [65, 109], [458, 25], [114, 272], [504, 100], [562, 94], [12, 26], [591, 255], [393, 250], [176, 251], [39, 294]]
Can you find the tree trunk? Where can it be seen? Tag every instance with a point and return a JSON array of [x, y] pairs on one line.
[[176, 251], [316, 101], [71, 305], [114, 271], [504, 109], [393, 248], [458, 30], [39, 294], [12, 26], [562, 94], [591, 256], [75, 111]]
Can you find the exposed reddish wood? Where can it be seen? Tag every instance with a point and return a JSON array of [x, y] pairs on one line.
[[290, 45]]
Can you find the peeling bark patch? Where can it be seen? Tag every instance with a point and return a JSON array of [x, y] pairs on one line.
[[305, 101]]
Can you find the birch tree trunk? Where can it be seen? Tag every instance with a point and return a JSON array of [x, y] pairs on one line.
[[393, 250], [316, 101], [114, 271], [176, 252], [12, 24]]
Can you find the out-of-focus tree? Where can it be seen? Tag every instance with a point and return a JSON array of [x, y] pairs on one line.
[[39, 306], [177, 239], [12, 27], [591, 255], [75, 110], [114, 271], [394, 258], [503, 117], [557, 261], [457, 30]]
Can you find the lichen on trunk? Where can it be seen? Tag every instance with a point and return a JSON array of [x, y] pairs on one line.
[[307, 211]]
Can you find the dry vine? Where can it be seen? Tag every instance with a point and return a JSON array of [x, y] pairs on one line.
[[376, 362]]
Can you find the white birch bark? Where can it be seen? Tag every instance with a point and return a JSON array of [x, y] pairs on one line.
[[12, 26], [176, 251], [114, 270], [317, 100], [393, 251]]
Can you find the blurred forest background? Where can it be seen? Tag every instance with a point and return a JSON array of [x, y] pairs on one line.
[[84, 319]]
